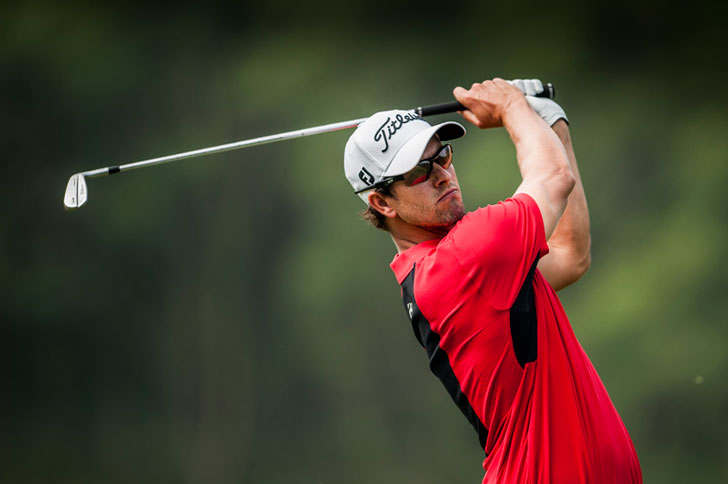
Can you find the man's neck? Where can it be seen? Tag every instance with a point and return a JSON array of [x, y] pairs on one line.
[[407, 236]]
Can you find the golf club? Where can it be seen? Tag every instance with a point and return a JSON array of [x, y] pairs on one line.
[[77, 192]]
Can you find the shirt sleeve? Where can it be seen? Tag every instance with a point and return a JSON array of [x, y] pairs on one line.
[[497, 245]]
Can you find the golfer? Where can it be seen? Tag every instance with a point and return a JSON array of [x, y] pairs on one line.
[[480, 287]]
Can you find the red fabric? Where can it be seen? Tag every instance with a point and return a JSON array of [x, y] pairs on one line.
[[551, 421]]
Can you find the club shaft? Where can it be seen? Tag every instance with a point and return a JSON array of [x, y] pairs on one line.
[[226, 147], [443, 108]]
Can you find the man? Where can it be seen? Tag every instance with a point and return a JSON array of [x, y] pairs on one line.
[[479, 287]]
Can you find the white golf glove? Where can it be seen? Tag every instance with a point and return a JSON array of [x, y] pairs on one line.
[[544, 107]]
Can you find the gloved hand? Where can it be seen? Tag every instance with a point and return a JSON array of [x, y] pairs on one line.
[[544, 107]]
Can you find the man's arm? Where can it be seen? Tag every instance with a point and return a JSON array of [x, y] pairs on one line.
[[569, 254], [542, 159]]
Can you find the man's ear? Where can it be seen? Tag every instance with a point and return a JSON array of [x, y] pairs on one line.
[[381, 204]]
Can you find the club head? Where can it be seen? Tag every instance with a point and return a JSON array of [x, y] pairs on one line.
[[76, 192]]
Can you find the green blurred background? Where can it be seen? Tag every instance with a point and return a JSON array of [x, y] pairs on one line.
[[230, 319]]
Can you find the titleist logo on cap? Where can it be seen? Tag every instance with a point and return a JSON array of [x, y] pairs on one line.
[[390, 127]]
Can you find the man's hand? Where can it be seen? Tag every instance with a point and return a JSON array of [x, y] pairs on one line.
[[488, 102], [548, 109]]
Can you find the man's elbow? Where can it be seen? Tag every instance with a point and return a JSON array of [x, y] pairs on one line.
[[561, 184], [582, 265], [566, 181], [574, 266], [580, 262]]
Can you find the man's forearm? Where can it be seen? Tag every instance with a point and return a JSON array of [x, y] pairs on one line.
[[543, 163], [572, 233], [537, 150]]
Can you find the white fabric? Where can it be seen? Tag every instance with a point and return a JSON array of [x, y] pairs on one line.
[[547, 108]]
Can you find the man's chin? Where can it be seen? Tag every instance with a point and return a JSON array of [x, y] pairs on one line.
[[439, 221], [446, 221], [454, 214]]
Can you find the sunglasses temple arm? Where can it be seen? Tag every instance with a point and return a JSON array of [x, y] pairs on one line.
[[450, 107]]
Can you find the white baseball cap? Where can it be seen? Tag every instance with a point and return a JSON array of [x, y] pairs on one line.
[[390, 143]]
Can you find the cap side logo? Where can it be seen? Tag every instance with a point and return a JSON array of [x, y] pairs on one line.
[[392, 126], [366, 177]]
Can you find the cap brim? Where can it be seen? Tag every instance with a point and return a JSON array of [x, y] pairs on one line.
[[411, 153]]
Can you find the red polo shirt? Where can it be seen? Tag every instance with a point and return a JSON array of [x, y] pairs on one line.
[[497, 337]]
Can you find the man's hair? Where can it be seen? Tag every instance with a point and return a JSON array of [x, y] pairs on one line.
[[372, 216]]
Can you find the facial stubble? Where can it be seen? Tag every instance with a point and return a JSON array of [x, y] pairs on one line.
[[445, 215]]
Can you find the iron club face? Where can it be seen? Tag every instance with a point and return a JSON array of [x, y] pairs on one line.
[[76, 192]]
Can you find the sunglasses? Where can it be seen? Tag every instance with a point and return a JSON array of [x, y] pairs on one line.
[[421, 172]]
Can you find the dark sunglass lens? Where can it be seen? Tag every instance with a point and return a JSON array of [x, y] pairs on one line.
[[423, 169], [418, 174], [444, 158]]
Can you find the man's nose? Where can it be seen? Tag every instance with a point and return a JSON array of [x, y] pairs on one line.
[[439, 175]]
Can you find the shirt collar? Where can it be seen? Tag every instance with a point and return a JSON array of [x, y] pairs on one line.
[[404, 261]]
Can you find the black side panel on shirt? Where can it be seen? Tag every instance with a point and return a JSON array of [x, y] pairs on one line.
[[523, 321], [439, 361]]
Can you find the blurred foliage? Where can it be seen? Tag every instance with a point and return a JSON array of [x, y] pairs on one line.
[[229, 319]]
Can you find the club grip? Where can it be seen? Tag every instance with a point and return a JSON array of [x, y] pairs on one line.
[[450, 107]]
